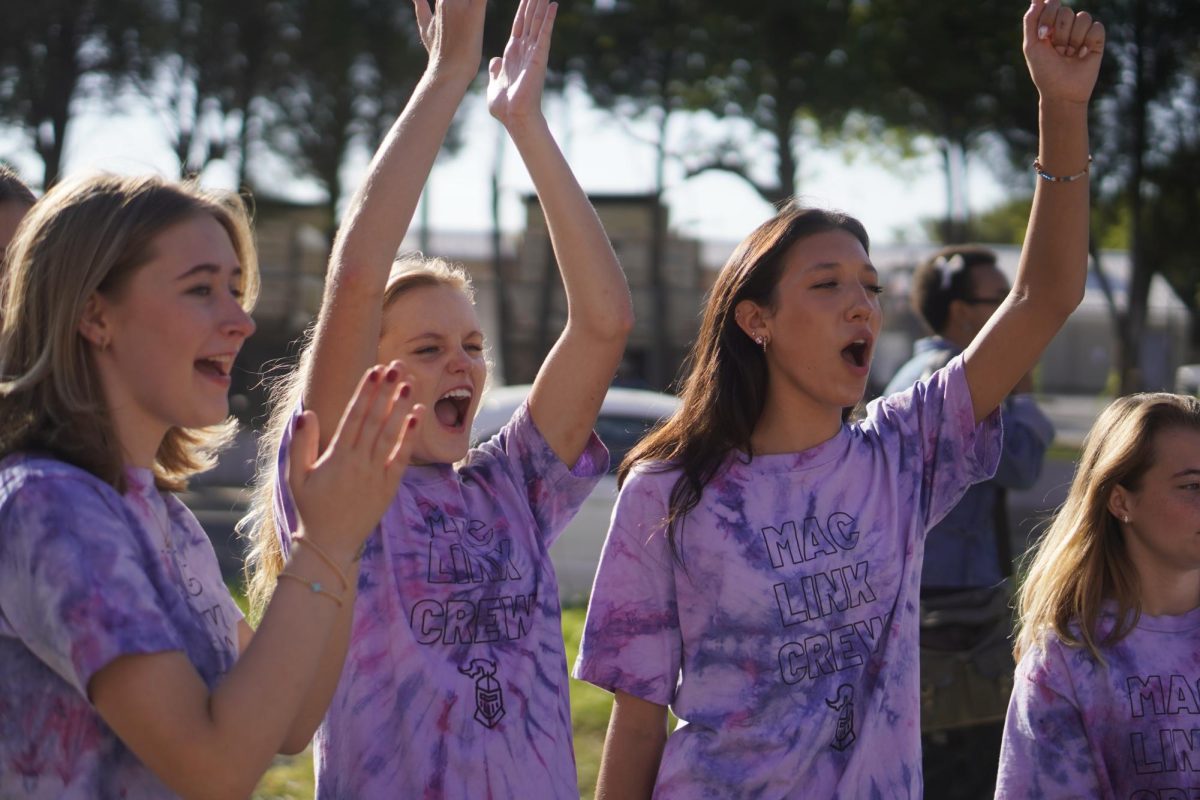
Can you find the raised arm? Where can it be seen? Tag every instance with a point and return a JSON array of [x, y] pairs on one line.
[[571, 383], [1063, 51], [347, 335], [217, 743]]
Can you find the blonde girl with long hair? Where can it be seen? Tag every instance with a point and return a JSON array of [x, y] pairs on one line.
[[456, 685], [126, 669], [1106, 701]]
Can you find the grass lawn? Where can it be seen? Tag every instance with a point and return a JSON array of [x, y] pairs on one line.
[[291, 778]]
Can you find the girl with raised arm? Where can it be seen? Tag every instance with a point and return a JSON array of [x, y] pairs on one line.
[[456, 685], [762, 572], [1107, 691], [126, 670]]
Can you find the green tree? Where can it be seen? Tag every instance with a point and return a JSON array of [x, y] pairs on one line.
[[211, 98], [955, 72], [49, 47], [1144, 130], [350, 66], [782, 65]]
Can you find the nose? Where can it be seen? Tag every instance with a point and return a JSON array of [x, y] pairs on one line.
[[237, 321], [863, 303], [460, 360]]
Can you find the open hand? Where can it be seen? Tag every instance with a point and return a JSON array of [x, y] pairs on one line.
[[452, 33], [1063, 51], [515, 80], [342, 495]]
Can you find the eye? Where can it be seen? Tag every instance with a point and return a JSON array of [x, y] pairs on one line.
[[874, 288], [428, 349], [237, 292], [826, 285], [474, 347], [203, 290]]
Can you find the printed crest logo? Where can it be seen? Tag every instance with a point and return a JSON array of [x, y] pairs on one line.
[[489, 701], [843, 735]]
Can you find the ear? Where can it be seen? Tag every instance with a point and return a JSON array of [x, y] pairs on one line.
[[1119, 502], [93, 323], [751, 318]]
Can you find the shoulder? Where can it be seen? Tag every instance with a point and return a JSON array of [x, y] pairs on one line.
[[26, 478]]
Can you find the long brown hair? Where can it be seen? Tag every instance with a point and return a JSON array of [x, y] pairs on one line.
[[86, 236], [1081, 562], [725, 386], [264, 552]]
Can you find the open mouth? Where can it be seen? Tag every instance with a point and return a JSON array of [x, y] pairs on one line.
[[215, 366], [451, 408], [857, 353]]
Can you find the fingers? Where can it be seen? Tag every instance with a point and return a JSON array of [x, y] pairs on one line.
[[1093, 40], [494, 67], [546, 31], [401, 454], [424, 18], [389, 411], [518, 27], [1079, 28], [303, 451], [1047, 19], [350, 427]]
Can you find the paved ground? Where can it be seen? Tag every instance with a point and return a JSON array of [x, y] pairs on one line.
[[219, 501]]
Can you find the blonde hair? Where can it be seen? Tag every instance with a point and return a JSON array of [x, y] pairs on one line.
[[1081, 561], [86, 236], [264, 551]]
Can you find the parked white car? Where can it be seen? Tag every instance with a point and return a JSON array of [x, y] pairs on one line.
[[624, 418], [1187, 379]]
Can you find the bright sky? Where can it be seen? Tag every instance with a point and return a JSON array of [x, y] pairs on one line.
[[609, 155]]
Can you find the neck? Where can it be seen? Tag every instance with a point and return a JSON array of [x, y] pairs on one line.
[[960, 342], [1168, 591], [792, 425]]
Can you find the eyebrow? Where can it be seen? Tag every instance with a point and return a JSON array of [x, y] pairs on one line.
[[1186, 473], [831, 265], [432, 335], [207, 269]]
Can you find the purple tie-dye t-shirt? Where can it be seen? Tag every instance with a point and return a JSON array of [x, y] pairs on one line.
[[785, 640], [455, 683], [88, 575], [1128, 731]]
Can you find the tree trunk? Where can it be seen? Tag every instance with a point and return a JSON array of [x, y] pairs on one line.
[[499, 268], [1140, 273]]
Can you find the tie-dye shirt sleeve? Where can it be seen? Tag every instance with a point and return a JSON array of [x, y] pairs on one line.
[[1045, 752], [933, 423], [70, 586], [555, 490], [640, 649]]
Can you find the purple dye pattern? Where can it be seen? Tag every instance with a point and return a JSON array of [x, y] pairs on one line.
[[786, 640], [1077, 728], [455, 683], [86, 577]]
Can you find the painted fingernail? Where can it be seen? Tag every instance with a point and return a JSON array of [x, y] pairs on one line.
[[392, 374], [1083, 51], [405, 390], [1043, 30], [299, 422], [412, 423], [373, 377]]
